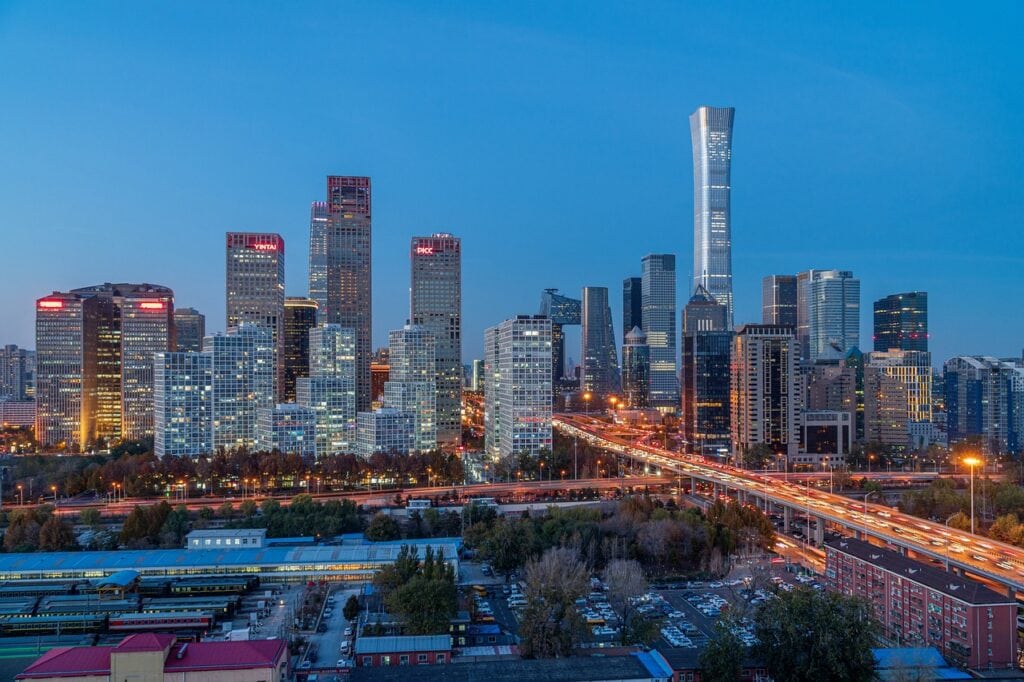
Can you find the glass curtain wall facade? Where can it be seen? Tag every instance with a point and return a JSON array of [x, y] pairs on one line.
[[659, 324]]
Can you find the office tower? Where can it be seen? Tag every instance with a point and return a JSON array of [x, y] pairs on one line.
[[330, 388], [436, 305], [243, 382], [711, 134], [832, 387], [562, 311], [288, 428], [826, 438], [15, 369], [897, 392], [636, 369], [95, 350], [255, 288], [147, 328], [517, 386], [901, 322], [182, 392], [597, 340], [319, 221], [410, 386], [765, 391], [189, 329], [477, 377], [828, 313], [299, 318], [340, 267], [20, 413], [658, 284], [632, 305], [985, 400], [778, 300], [386, 430], [705, 375], [855, 360]]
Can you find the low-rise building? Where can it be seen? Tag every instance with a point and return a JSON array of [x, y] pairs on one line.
[[227, 538], [153, 657], [404, 650], [287, 428], [919, 605], [17, 412]]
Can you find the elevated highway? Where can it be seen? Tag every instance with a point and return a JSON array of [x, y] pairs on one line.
[[996, 562]]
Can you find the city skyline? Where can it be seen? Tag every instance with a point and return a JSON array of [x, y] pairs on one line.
[[181, 243]]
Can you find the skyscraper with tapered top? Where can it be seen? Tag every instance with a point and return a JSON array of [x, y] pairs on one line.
[[711, 135]]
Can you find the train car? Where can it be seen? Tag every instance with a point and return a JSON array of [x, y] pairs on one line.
[[60, 624], [218, 586], [78, 605], [161, 621], [219, 607], [13, 590], [155, 587]]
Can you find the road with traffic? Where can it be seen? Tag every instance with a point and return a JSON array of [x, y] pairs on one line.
[[996, 562]]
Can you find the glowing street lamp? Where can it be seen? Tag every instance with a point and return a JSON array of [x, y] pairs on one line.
[[586, 400], [972, 462], [21, 496]]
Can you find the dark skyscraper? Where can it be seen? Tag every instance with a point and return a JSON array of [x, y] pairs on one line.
[[597, 339], [340, 267], [636, 369], [435, 300], [707, 344], [711, 135], [190, 328], [299, 317], [561, 310], [632, 305], [778, 300], [659, 318], [901, 322]]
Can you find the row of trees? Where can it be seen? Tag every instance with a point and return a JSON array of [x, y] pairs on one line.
[[137, 472], [422, 594]]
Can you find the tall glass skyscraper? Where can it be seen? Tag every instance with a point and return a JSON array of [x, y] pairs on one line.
[[299, 318], [340, 267], [189, 329], [600, 370], [828, 314], [255, 288], [330, 388], [778, 300], [411, 386], [711, 135], [636, 369], [242, 382], [658, 284], [901, 322], [435, 300], [707, 345], [632, 305]]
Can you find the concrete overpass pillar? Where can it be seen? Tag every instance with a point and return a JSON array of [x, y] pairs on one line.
[[819, 531], [787, 517], [715, 491]]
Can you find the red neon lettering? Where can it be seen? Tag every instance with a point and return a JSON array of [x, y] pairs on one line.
[[51, 304], [424, 250], [151, 305], [264, 247]]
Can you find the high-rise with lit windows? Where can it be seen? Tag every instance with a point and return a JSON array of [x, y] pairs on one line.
[[711, 135], [299, 317], [340, 267], [778, 300], [435, 302], [517, 386], [901, 322], [182, 392], [600, 363], [765, 389], [411, 386], [189, 329], [828, 313], [255, 288], [242, 382], [95, 348], [330, 388]]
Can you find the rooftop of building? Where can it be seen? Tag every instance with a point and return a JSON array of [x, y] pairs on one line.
[[13, 565], [638, 666], [914, 663], [397, 643], [958, 587], [181, 658]]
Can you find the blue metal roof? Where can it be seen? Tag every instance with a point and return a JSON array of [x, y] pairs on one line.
[[118, 579], [52, 564]]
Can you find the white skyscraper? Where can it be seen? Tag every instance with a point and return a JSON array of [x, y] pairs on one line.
[[411, 386], [243, 382], [183, 387], [517, 386], [330, 389]]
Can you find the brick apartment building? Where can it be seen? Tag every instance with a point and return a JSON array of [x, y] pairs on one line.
[[921, 605]]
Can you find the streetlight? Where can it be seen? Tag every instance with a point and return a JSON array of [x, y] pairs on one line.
[[21, 496], [586, 401], [972, 462], [54, 489]]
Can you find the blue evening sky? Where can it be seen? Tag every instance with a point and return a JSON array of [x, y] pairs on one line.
[[885, 138]]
